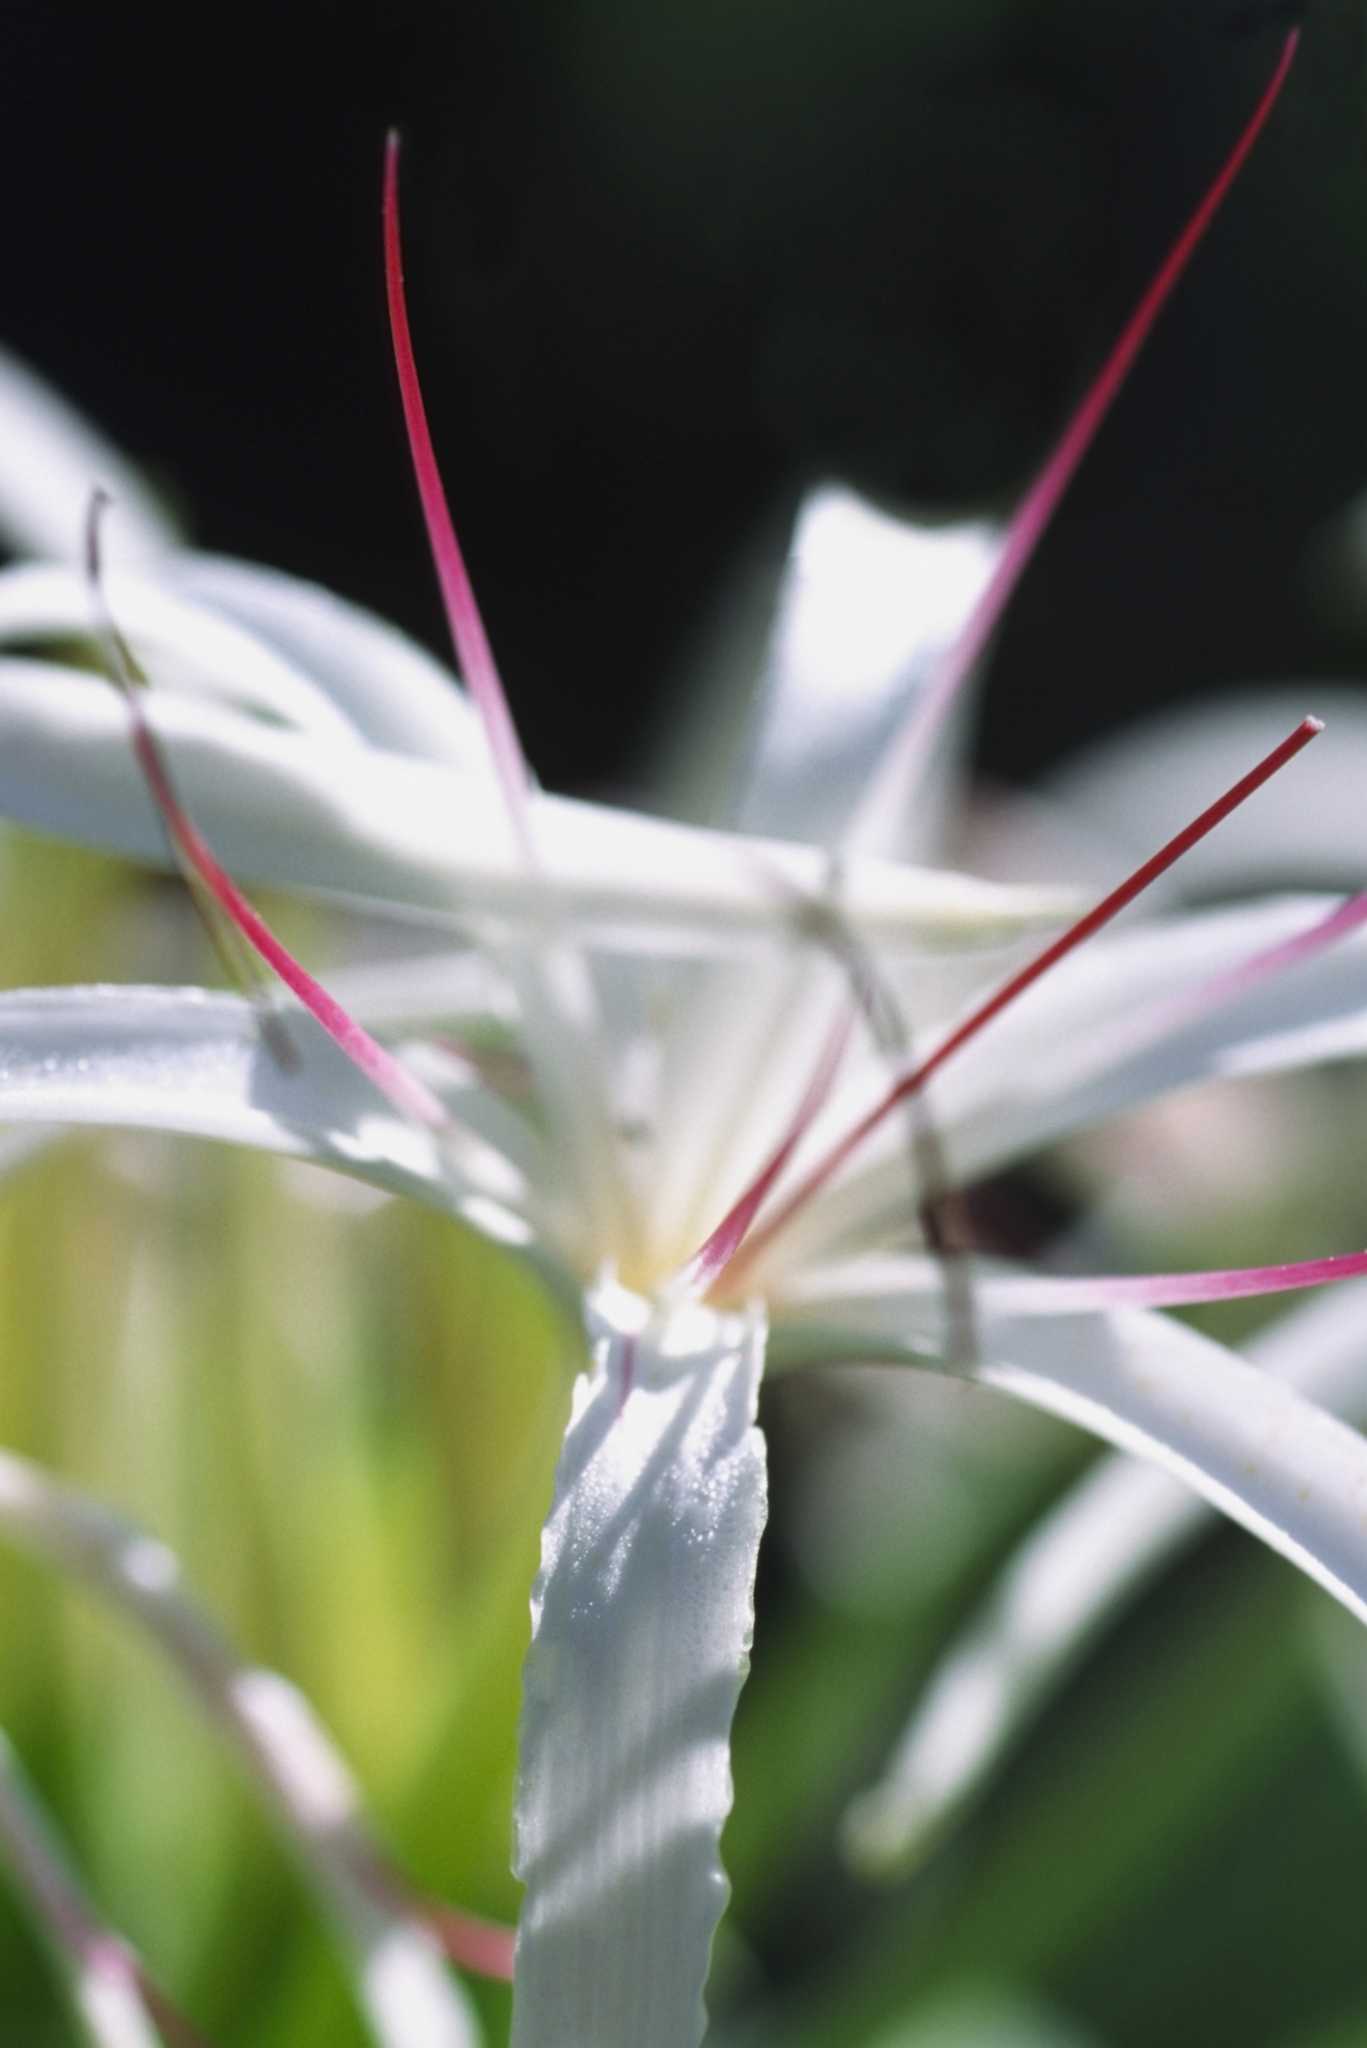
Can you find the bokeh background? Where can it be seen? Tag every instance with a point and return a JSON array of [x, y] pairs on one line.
[[670, 262]]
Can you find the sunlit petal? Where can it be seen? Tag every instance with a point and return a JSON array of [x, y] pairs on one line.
[[642, 1617], [421, 840], [185, 1061]]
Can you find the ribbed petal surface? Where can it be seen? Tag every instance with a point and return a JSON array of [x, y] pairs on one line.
[[642, 1618]]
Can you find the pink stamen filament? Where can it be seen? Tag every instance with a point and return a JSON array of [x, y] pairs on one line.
[[1034, 970], [1185, 1290], [462, 613], [1041, 501], [1339, 923]]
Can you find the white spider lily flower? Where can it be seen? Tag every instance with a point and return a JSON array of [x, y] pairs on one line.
[[764, 1104]]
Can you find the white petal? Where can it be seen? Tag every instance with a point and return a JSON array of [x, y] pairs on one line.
[[182, 645], [1095, 1550], [401, 1979], [396, 693], [642, 1617], [426, 841], [870, 604], [1246, 1442], [182, 1060], [50, 463]]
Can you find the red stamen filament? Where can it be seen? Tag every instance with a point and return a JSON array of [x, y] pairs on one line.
[[1034, 970], [1040, 503], [462, 613]]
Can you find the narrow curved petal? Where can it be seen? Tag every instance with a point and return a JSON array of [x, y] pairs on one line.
[[642, 1617], [185, 1061], [100, 1970], [402, 1984], [397, 695], [1094, 1551], [1246, 1442], [50, 462], [184, 645], [420, 840]]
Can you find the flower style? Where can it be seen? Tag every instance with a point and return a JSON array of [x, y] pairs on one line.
[[733, 1134]]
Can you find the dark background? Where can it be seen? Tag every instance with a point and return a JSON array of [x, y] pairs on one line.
[[668, 258]]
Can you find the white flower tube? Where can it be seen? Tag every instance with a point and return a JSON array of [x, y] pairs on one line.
[[642, 1617]]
